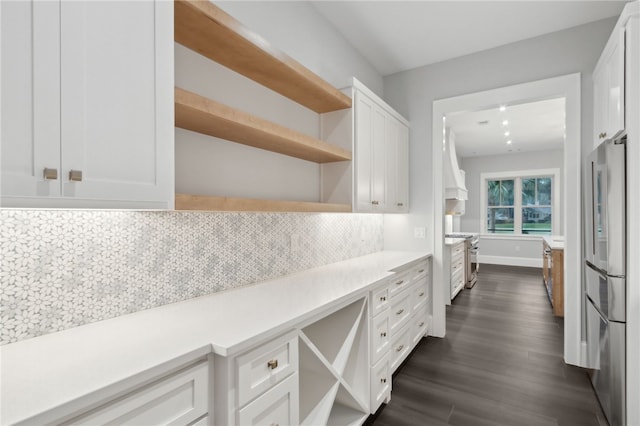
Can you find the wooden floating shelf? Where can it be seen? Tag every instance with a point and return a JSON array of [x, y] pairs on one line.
[[205, 28], [212, 203], [203, 115]]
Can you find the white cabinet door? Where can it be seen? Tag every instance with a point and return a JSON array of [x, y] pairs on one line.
[[397, 166], [608, 88], [379, 161], [87, 87], [364, 110], [30, 94], [109, 103]]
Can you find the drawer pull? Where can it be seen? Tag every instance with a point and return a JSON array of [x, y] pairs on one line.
[[421, 294], [383, 298], [50, 174], [400, 311], [421, 324], [383, 380], [421, 271], [75, 175], [275, 424], [399, 282], [400, 204], [375, 203], [273, 364], [383, 334], [399, 348]]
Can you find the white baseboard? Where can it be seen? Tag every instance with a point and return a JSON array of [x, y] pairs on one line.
[[511, 261]]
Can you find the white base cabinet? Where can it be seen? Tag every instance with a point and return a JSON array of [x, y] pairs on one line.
[[87, 104], [454, 267]]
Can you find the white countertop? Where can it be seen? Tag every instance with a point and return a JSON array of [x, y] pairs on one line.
[[41, 373], [453, 241], [555, 242]]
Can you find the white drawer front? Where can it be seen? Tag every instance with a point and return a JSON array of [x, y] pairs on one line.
[[380, 383], [420, 271], [265, 366], [399, 312], [278, 406], [400, 347], [176, 400], [399, 283], [379, 300], [457, 250], [419, 296], [457, 282], [380, 336], [457, 265], [419, 325]]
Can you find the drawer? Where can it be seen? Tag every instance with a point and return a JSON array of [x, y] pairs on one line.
[[457, 282], [400, 347], [380, 383], [457, 250], [380, 336], [419, 296], [419, 325], [379, 300], [420, 271], [399, 312], [457, 265], [263, 367], [399, 283], [181, 398], [278, 406]]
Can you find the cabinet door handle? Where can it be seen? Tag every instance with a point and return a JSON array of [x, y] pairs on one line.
[[383, 380], [273, 364], [275, 424], [383, 298], [400, 311], [375, 203], [399, 348], [400, 204], [421, 271], [421, 324], [75, 175], [602, 135], [400, 282], [421, 294], [383, 334], [50, 174]]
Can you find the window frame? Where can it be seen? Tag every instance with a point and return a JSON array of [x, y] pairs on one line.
[[517, 176]]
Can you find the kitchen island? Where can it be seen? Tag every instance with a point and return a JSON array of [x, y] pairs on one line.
[[553, 271]]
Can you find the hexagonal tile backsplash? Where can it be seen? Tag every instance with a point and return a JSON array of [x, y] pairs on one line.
[[64, 268]]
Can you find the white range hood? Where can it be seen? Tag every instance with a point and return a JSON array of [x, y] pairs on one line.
[[454, 186]]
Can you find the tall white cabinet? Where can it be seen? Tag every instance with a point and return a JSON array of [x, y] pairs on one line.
[[87, 104], [379, 137]]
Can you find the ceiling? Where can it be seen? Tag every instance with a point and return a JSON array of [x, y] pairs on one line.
[[534, 126], [396, 36]]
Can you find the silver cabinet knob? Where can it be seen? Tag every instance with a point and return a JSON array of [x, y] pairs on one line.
[[50, 174], [375, 203], [75, 175]]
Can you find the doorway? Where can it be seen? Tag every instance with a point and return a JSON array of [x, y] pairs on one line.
[[567, 87]]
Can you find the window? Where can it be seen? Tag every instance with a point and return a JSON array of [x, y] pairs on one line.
[[520, 203]]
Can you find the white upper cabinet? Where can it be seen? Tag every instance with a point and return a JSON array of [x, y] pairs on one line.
[[608, 89], [381, 153], [87, 95]]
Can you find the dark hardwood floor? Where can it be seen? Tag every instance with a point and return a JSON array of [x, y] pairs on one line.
[[500, 363]]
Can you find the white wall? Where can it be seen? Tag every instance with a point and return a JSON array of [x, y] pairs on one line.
[[511, 250], [413, 92]]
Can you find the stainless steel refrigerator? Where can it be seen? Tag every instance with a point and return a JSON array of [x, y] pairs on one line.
[[605, 273]]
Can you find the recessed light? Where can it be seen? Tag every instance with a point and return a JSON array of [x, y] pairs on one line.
[[505, 122], [502, 108], [507, 133], [509, 142]]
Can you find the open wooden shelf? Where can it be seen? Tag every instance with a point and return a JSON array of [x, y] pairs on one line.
[[205, 28], [212, 203], [203, 115]]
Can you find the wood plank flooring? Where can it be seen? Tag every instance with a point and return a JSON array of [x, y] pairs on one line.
[[500, 363]]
